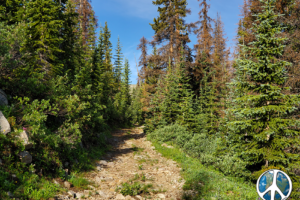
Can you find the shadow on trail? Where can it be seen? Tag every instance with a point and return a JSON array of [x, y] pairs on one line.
[[119, 138]]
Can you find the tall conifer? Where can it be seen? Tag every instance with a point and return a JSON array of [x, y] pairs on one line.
[[118, 62], [42, 36], [170, 26], [264, 129]]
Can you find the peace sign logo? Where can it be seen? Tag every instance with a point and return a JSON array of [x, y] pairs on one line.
[[274, 185]]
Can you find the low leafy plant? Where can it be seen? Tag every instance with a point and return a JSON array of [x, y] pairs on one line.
[[134, 189]]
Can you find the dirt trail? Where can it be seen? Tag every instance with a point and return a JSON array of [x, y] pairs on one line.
[[133, 157]]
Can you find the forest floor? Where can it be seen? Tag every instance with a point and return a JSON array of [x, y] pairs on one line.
[[135, 167]]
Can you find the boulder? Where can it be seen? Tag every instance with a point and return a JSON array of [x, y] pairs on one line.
[[4, 125], [25, 140], [25, 157], [3, 98]]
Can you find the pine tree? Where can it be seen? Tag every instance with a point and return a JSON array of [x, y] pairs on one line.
[[109, 87], [143, 63], [118, 62], [87, 20], [220, 53], [126, 83], [263, 130], [171, 27], [70, 40], [186, 116], [42, 42], [203, 60]]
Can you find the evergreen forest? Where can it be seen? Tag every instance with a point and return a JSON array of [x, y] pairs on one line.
[[235, 110]]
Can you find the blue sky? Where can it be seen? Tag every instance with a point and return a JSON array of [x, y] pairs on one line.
[[129, 19]]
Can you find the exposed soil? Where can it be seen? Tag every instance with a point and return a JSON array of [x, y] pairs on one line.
[[133, 157]]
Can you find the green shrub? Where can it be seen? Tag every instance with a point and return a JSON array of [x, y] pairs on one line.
[[135, 189], [203, 147]]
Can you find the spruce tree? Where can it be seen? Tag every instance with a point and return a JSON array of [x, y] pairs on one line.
[[126, 82], [170, 26], [204, 46], [70, 40], [264, 134], [106, 48], [118, 62], [42, 36]]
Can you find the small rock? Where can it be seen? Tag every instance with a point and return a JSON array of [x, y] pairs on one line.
[[3, 98], [67, 184], [110, 164], [66, 172], [162, 196], [25, 157], [128, 198], [73, 194], [4, 125], [98, 179], [10, 194], [14, 178], [25, 140], [102, 162], [139, 197], [87, 192], [55, 182], [120, 197], [79, 195], [98, 168], [102, 194], [165, 145]]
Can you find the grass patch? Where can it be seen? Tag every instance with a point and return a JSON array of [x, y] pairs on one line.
[[135, 188], [79, 182], [206, 181], [137, 149], [37, 188]]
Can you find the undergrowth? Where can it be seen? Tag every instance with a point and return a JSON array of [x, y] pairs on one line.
[[205, 180]]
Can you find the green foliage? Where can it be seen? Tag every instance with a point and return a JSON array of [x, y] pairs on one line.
[[78, 182], [136, 106], [118, 62], [202, 147], [134, 189], [42, 36], [173, 100], [205, 179], [263, 130]]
